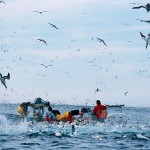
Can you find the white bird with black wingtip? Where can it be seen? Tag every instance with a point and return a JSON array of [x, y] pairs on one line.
[[3, 78]]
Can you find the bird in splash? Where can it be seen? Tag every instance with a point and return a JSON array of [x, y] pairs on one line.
[[3, 78], [147, 7]]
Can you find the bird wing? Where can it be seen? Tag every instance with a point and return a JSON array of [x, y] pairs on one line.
[[3, 82], [41, 40], [44, 11], [36, 11], [44, 42], [51, 24], [143, 37], [7, 77], [104, 42], [56, 27], [43, 65], [138, 7], [147, 41]]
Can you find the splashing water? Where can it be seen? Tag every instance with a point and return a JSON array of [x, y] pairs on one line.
[[125, 130]]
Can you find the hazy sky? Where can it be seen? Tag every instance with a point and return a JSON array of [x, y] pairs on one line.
[[79, 63]]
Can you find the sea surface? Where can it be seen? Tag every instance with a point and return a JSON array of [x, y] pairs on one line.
[[126, 128]]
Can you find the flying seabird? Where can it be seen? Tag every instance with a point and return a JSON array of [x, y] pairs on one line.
[[40, 12], [100, 40], [2, 78], [46, 65], [41, 40], [146, 39], [147, 7], [52, 25], [125, 93]]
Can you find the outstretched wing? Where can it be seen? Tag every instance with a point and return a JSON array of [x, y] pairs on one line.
[[147, 41], [143, 37], [7, 77], [138, 7], [104, 42]]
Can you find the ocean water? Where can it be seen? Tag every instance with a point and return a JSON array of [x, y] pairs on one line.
[[126, 128]]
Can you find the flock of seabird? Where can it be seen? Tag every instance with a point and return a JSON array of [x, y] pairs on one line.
[[147, 40]]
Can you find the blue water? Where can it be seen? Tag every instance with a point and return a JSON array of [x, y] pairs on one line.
[[126, 128]]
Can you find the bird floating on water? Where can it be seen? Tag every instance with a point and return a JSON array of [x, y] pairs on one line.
[[40, 12], [100, 40], [147, 7], [3, 78], [147, 39], [41, 40], [52, 25]]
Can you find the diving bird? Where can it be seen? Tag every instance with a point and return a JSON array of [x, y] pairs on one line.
[[40, 12], [41, 40], [147, 7], [100, 40], [3, 78], [52, 25], [73, 129], [147, 39]]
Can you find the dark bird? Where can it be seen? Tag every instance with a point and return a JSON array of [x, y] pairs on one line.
[[2, 2], [147, 21], [41, 40], [125, 93], [3, 78], [100, 40], [46, 66], [147, 7], [147, 39], [97, 90], [52, 25], [40, 12]]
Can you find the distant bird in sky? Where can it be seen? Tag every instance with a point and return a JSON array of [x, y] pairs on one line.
[[2, 2], [40, 12], [52, 25], [147, 7], [147, 21], [146, 39], [125, 93], [3, 78], [46, 66], [41, 40], [100, 40], [97, 90]]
